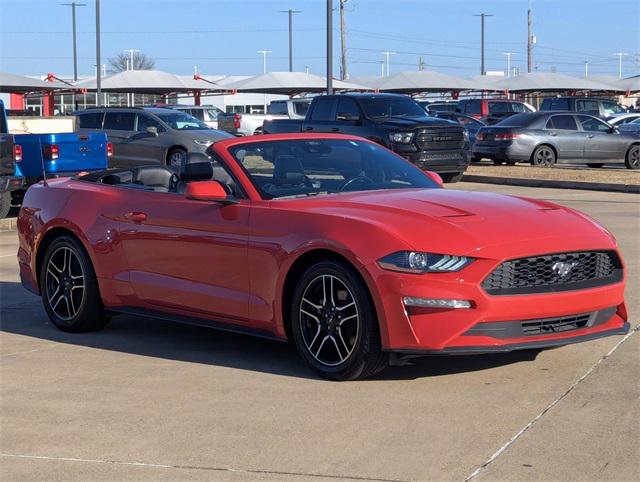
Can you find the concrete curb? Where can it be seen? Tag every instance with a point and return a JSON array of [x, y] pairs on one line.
[[8, 224], [589, 186]]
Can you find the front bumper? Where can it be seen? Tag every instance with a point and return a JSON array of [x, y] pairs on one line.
[[493, 323], [507, 150], [441, 161]]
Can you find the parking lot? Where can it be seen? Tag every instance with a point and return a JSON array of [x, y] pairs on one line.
[[152, 400]]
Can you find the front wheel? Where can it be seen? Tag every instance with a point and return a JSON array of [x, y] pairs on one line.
[[69, 288], [632, 160], [334, 326], [452, 177], [543, 156], [176, 158]]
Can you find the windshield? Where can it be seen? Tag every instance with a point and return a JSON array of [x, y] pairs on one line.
[[282, 169], [181, 121], [391, 107]]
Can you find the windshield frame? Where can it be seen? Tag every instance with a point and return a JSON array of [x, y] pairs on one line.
[[425, 180], [367, 102]]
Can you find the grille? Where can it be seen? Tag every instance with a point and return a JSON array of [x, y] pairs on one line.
[[434, 138], [547, 326], [540, 274]]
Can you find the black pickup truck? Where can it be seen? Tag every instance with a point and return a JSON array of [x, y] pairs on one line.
[[9, 154], [393, 120]]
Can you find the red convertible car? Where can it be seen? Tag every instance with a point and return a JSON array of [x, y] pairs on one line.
[[330, 241]]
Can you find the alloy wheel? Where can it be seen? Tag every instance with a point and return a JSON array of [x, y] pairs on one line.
[[65, 288], [544, 157], [177, 158], [633, 158], [329, 320]]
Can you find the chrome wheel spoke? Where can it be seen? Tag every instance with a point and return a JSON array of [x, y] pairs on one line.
[[342, 308], [347, 318], [65, 283], [313, 317], [335, 343], [321, 345], [317, 307]]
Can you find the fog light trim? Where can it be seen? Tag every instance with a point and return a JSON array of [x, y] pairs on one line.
[[435, 303]]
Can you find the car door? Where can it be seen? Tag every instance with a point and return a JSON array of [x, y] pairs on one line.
[[348, 117], [148, 148], [323, 116], [186, 255], [120, 126], [565, 136], [602, 141]]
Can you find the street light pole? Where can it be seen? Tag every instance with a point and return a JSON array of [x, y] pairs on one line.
[[73, 6], [620, 55], [98, 79], [329, 47], [586, 68], [290, 12], [482, 17], [264, 59], [387, 54], [508, 54]]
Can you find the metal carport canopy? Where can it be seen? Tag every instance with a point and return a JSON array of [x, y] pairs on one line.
[[551, 82], [289, 83], [423, 81], [148, 82], [19, 84]]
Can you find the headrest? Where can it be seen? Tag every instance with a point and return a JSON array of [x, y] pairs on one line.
[[196, 171], [288, 171], [152, 175]]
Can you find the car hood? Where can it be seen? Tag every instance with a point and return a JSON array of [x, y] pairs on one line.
[[209, 135], [463, 223], [412, 122]]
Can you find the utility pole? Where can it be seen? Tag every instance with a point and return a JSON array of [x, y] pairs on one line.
[[73, 6], [98, 80], [387, 54], [329, 47], [343, 41], [508, 54], [530, 38], [264, 59], [620, 55], [290, 12], [131, 52], [382, 68], [421, 64], [586, 68], [482, 17]]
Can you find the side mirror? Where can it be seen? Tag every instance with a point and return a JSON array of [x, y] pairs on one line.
[[153, 131], [435, 177], [345, 116], [614, 129], [211, 191]]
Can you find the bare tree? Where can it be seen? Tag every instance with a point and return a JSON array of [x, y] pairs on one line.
[[121, 61]]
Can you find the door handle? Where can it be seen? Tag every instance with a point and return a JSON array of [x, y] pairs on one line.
[[590, 136], [335, 129], [553, 133], [308, 128], [136, 217]]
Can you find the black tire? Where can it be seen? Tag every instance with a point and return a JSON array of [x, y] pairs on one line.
[[452, 177], [498, 162], [510, 163], [176, 157], [351, 330], [67, 270], [5, 204], [596, 165], [543, 156], [632, 159], [476, 159]]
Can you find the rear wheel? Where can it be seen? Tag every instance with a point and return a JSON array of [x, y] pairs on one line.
[[543, 156], [595, 164], [5, 204], [510, 163], [333, 324], [632, 160], [69, 288], [452, 177]]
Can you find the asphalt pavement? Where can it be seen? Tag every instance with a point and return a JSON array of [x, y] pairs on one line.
[[151, 400]]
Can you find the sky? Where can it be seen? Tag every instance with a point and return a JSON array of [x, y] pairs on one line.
[[224, 36]]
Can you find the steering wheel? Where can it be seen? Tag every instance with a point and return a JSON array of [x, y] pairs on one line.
[[353, 180]]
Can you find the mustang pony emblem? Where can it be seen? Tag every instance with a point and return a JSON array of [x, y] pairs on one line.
[[562, 269]]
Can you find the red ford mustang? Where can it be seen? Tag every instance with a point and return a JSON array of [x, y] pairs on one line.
[[331, 241]]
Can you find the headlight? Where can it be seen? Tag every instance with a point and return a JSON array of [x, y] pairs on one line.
[[401, 137], [465, 134], [203, 143], [417, 262]]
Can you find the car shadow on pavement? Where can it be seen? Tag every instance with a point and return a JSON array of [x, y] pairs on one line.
[[22, 314]]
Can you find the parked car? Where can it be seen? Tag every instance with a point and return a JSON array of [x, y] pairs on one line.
[[10, 154], [150, 135], [393, 120], [621, 119], [251, 124], [491, 111], [630, 128], [545, 138], [330, 241], [434, 106], [205, 113], [586, 105], [470, 123]]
